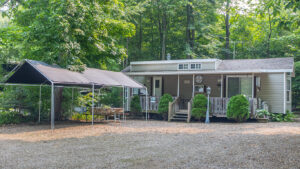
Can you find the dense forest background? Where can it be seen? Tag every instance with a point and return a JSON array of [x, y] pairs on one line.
[[108, 34]]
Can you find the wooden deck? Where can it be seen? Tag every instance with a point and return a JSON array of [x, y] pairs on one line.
[[218, 105]]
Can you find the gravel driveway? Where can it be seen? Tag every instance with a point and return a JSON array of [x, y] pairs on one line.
[[152, 144]]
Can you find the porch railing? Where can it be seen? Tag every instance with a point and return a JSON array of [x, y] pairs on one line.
[[173, 108], [190, 104], [152, 102], [218, 106]]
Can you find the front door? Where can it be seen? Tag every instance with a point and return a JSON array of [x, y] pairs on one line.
[[157, 86]]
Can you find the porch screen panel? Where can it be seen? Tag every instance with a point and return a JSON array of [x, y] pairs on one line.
[[246, 86], [233, 86], [240, 85]]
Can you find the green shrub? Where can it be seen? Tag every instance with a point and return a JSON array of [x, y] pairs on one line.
[[238, 108], [80, 117], [262, 113], [278, 117], [163, 106], [199, 106], [7, 117], [135, 105]]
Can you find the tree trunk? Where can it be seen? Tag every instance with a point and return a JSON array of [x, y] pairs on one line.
[[270, 33], [58, 97], [227, 26], [140, 36], [190, 30], [164, 31]]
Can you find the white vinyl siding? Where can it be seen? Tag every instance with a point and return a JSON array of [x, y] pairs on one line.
[[272, 91], [170, 67]]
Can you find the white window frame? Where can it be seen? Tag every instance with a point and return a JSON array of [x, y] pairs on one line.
[[288, 89], [196, 68], [183, 66]]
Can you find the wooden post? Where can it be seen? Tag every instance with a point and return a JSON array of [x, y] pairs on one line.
[[222, 79], [189, 112], [170, 111], [178, 86], [193, 85]]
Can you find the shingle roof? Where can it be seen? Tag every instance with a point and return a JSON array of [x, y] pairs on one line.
[[256, 64]]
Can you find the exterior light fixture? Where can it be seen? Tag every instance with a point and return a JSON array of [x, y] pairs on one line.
[[208, 90]]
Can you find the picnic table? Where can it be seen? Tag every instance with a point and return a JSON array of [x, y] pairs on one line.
[[107, 112]]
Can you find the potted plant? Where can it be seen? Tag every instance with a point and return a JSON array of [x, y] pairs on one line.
[[262, 116]]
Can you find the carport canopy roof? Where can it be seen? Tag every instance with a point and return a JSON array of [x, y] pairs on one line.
[[36, 72]]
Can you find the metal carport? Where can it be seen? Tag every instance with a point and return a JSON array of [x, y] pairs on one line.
[[37, 73]]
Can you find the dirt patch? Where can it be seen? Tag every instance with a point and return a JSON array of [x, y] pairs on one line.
[[152, 144]]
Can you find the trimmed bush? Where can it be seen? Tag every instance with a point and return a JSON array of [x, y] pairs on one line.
[[199, 106], [163, 106], [238, 108], [135, 105]]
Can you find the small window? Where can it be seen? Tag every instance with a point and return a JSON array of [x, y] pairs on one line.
[[288, 84], [288, 90], [195, 66], [183, 66]]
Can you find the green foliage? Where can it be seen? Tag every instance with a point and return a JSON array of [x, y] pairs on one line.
[[10, 117], [199, 106], [82, 117], [296, 85], [262, 113], [135, 105], [163, 106], [64, 32], [111, 97], [238, 108], [278, 117], [87, 101]]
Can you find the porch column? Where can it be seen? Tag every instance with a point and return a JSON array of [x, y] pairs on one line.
[[222, 79], [178, 86], [253, 85], [193, 85], [284, 93]]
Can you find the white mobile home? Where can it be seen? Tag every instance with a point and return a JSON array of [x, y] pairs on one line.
[[266, 82]]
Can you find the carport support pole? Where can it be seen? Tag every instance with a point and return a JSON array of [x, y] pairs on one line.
[[40, 103], [123, 103], [146, 104], [52, 106], [93, 104]]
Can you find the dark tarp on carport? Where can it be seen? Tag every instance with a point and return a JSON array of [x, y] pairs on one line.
[[36, 72]]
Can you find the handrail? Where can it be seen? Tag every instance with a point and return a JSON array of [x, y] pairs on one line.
[[172, 108], [190, 103]]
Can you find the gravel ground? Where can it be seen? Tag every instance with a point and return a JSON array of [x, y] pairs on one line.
[[153, 144]]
